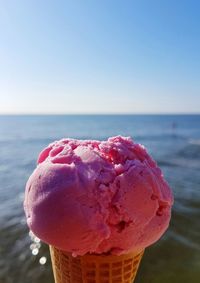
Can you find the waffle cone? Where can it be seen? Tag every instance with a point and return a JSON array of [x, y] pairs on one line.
[[94, 268]]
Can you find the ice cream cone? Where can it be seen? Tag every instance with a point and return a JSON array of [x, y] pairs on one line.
[[94, 268]]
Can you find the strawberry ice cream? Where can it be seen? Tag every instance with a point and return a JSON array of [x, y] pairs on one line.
[[88, 196]]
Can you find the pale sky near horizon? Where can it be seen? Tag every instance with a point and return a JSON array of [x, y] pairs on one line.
[[105, 56]]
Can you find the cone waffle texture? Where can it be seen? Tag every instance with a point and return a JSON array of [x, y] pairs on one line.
[[94, 268]]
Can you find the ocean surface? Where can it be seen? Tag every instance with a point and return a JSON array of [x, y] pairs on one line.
[[174, 141]]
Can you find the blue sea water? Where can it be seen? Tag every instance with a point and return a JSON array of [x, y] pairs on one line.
[[173, 140]]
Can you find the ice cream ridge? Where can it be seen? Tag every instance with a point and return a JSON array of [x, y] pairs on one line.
[[98, 201]]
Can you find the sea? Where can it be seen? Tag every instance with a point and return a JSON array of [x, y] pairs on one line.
[[172, 140]]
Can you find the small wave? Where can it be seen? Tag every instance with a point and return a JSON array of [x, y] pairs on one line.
[[47, 140], [26, 140], [161, 137], [194, 142], [187, 156], [191, 150], [180, 162], [167, 164], [184, 240]]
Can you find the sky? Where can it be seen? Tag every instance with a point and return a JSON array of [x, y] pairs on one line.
[[102, 56]]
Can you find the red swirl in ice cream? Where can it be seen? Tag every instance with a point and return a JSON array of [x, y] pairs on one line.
[[88, 196]]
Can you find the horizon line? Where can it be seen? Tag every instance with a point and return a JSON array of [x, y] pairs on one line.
[[98, 113]]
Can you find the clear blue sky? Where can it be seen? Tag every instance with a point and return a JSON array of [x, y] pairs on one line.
[[99, 56]]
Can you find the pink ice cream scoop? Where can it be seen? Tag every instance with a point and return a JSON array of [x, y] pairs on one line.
[[88, 196]]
